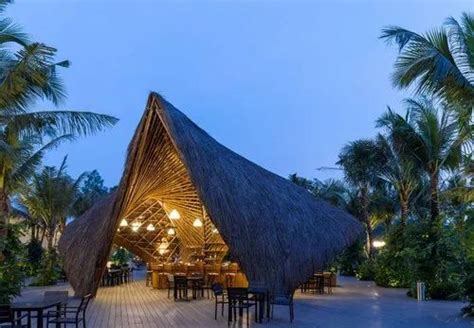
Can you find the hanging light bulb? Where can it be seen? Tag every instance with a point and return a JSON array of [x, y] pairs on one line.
[[197, 223], [136, 225], [215, 230], [164, 244], [150, 227], [174, 215], [171, 231], [123, 223]]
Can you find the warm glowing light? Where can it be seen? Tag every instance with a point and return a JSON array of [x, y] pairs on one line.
[[150, 227], [378, 243], [171, 231], [123, 223], [162, 251], [197, 223], [164, 244], [215, 230], [135, 228], [174, 215]]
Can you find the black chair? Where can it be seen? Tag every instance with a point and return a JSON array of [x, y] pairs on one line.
[[239, 300], [78, 314], [220, 296], [285, 300], [180, 288], [170, 284], [57, 296], [7, 316]]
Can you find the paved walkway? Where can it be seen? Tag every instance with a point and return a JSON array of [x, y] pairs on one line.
[[355, 304]]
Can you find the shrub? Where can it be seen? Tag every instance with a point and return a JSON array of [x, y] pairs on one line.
[[443, 290], [11, 274], [349, 261], [366, 271], [34, 256]]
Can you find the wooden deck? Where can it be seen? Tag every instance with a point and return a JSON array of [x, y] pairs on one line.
[[356, 304]]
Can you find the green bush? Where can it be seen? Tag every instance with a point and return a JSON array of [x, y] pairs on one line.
[[11, 273], [34, 256], [443, 291], [49, 270], [366, 271], [349, 261]]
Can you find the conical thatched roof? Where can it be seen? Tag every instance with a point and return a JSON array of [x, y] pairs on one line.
[[278, 231]]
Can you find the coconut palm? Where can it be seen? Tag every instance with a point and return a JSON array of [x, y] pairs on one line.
[[440, 62], [332, 190], [50, 199], [430, 137], [27, 75], [361, 161], [401, 173]]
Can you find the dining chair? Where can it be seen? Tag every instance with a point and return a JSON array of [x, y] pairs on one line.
[[220, 297], [285, 299], [170, 283], [239, 299], [7, 317], [77, 314], [180, 288]]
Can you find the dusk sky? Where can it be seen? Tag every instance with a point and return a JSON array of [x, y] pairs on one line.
[[284, 83]]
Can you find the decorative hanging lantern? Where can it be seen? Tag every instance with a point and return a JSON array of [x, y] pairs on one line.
[[136, 225], [171, 231], [164, 244], [150, 227], [123, 223], [197, 223], [174, 215]]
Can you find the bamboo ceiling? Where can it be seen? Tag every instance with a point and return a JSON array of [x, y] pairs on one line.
[[158, 183]]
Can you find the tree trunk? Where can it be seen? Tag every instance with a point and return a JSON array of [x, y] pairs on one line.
[[403, 210], [364, 200], [4, 211], [434, 201]]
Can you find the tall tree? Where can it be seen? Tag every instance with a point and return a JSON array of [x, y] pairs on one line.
[[361, 161], [401, 173], [92, 190], [28, 74], [430, 137], [50, 198]]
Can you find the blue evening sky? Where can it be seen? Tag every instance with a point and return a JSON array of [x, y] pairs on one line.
[[284, 83]]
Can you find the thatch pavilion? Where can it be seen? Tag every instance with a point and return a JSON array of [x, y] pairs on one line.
[[183, 193]]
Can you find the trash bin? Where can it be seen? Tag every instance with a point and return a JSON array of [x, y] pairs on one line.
[[420, 291]]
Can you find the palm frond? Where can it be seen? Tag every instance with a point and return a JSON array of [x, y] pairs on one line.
[[30, 76], [426, 61], [58, 122], [25, 170]]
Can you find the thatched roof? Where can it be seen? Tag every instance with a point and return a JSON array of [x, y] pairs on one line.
[[279, 233]]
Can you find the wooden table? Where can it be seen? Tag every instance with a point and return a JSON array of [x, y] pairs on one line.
[[37, 307]]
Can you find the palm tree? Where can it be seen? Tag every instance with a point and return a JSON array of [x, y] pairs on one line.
[[332, 190], [440, 62], [401, 173], [429, 137], [361, 161], [26, 75], [50, 199]]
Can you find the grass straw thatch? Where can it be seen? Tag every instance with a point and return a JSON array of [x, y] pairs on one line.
[[279, 233]]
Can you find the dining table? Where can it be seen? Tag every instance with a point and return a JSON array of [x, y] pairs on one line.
[[262, 298], [35, 307]]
